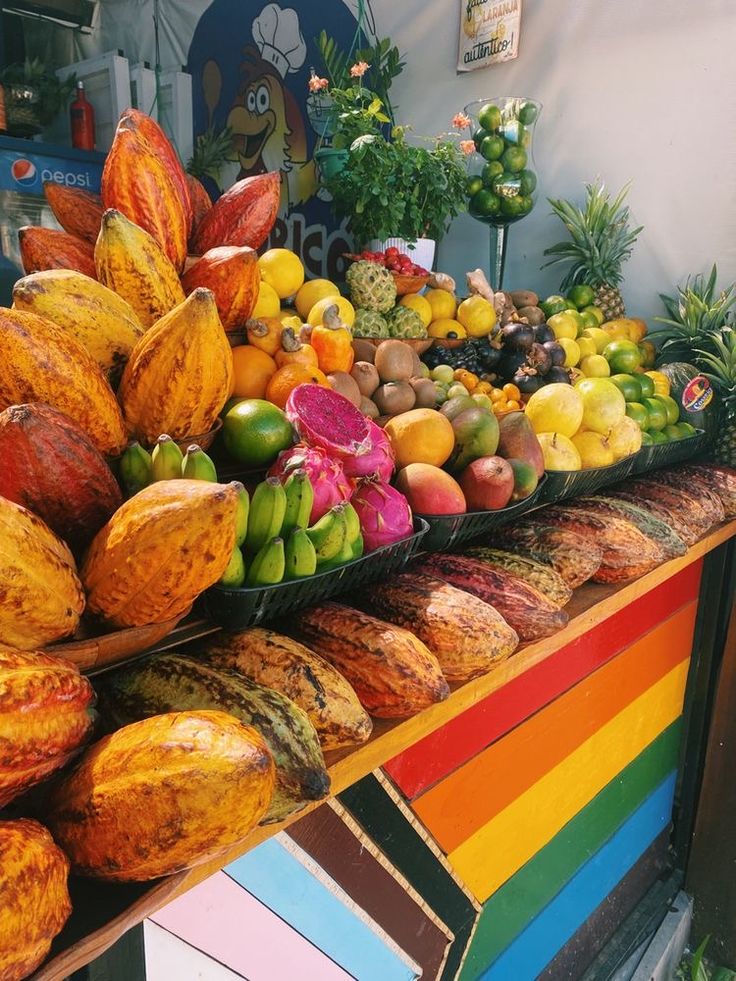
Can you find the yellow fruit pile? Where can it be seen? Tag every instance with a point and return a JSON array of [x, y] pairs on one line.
[[444, 317]]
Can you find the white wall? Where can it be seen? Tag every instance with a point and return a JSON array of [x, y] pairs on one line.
[[642, 89]]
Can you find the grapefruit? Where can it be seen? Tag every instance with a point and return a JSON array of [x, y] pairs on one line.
[[556, 408], [603, 404], [312, 292]]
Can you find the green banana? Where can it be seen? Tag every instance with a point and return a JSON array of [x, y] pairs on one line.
[[135, 468], [299, 500], [234, 574], [267, 511], [353, 522], [269, 565], [241, 515], [196, 465], [357, 546], [344, 555], [166, 459], [328, 535], [301, 558]]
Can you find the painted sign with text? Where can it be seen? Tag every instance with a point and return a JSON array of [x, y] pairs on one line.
[[489, 33]]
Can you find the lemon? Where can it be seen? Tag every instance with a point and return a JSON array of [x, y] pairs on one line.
[[594, 450], [587, 346], [311, 292], [625, 438], [556, 408], [345, 308], [416, 302], [595, 312], [572, 351], [559, 451], [595, 366], [443, 304], [283, 270], [598, 336], [477, 316], [268, 303], [446, 326]]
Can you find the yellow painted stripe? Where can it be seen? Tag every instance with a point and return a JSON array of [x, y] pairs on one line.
[[496, 851]]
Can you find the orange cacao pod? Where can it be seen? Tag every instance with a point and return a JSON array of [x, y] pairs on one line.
[[47, 248], [232, 273], [79, 212], [150, 130], [244, 215], [201, 203]]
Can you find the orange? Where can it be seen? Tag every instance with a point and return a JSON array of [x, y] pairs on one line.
[[252, 369], [286, 379], [420, 436]]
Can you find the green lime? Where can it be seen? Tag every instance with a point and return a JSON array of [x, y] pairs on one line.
[[686, 429], [229, 404], [672, 432], [629, 386], [646, 439], [485, 203], [589, 317], [513, 159], [657, 414], [473, 185], [506, 185], [491, 147], [478, 136], [489, 117], [582, 296], [512, 207], [490, 171], [657, 437], [638, 412], [254, 432], [528, 113], [647, 386], [595, 312], [527, 203], [528, 181], [552, 305], [671, 408], [623, 356]]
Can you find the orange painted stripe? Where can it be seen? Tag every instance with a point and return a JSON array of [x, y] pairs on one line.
[[465, 801]]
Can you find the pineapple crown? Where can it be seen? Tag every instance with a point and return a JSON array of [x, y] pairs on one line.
[[601, 239], [719, 364], [694, 316]]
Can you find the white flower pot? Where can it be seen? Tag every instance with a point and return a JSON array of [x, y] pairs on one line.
[[421, 253]]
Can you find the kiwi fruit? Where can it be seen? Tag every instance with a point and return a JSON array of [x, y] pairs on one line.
[[364, 351], [345, 384], [394, 397], [425, 391], [366, 377], [394, 361]]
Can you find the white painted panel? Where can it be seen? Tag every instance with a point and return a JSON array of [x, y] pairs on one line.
[[168, 958]]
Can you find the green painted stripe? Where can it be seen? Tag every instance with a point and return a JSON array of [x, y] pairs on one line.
[[534, 886]]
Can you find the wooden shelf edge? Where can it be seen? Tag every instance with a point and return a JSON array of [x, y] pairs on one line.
[[589, 605]]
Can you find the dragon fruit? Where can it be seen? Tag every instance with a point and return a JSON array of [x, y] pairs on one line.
[[379, 461], [324, 418], [326, 475], [384, 513]]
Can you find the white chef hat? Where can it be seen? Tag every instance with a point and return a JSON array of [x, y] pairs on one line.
[[279, 38]]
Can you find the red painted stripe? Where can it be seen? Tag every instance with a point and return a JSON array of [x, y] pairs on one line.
[[444, 750]]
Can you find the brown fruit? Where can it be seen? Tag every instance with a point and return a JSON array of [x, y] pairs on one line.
[[540, 576], [345, 384], [394, 361], [364, 351], [425, 391], [574, 559], [366, 377], [243, 215], [47, 248], [79, 212], [393, 398], [369, 408], [231, 272]]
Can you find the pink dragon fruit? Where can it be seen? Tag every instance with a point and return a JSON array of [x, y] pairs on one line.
[[326, 476], [324, 418], [384, 512], [379, 461]]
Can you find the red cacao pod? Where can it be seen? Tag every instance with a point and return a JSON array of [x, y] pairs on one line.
[[79, 212], [47, 248], [244, 215], [201, 203], [51, 467], [232, 273]]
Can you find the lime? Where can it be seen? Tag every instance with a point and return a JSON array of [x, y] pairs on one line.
[[582, 296], [255, 432], [657, 437], [490, 116], [485, 203], [623, 356], [589, 319], [513, 159], [647, 386], [490, 171], [657, 414], [648, 354], [552, 305], [595, 312], [646, 439], [478, 136], [491, 147], [528, 113], [528, 181], [629, 385], [473, 185], [686, 429], [671, 408], [638, 412], [672, 432], [512, 207], [526, 202]]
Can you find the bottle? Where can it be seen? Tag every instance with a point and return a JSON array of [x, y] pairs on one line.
[[82, 121]]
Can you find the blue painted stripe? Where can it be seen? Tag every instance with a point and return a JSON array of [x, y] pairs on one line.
[[279, 880], [538, 943]]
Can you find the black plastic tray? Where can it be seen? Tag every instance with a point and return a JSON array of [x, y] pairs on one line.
[[561, 484], [665, 454], [448, 530], [237, 609]]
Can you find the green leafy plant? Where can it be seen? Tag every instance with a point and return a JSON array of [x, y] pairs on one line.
[[53, 94], [694, 316], [213, 149], [358, 112], [383, 60]]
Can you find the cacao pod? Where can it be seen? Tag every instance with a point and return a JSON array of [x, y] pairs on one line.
[[51, 467], [48, 248], [691, 493], [137, 181], [103, 322], [666, 512], [176, 682], [42, 596], [567, 553], [201, 203], [160, 550], [278, 662], [719, 478], [36, 903], [180, 373], [45, 716], [79, 212], [540, 576], [648, 524], [243, 215], [162, 795], [130, 262], [232, 273], [42, 362]]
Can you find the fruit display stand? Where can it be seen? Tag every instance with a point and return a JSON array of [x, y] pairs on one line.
[[520, 820]]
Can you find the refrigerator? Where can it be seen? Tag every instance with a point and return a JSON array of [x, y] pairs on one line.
[[25, 166]]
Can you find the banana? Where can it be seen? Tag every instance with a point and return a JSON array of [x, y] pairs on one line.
[[196, 465], [301, 558], [241, 515], [166, 459], [135, 468], [267, 511], [357, 546], [344, 555], [269, 565], [328, 535], [234, 574], [299, 500], [353, 522]]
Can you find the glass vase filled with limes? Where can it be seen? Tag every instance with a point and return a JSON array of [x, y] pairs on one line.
[[502, 177]]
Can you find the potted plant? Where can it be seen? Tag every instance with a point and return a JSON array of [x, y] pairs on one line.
[[33, 96]]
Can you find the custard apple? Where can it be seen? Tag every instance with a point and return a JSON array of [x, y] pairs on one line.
[[371, 286], [369, 323], [405, 322]]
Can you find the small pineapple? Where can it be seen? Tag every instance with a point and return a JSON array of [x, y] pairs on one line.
[[721, 372], [601, 242], [369, 323], [371, 286], [694, 316], [405, 323]]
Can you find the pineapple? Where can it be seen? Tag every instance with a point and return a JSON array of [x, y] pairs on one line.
[[694, 316], [721, 372], [601, 242]]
